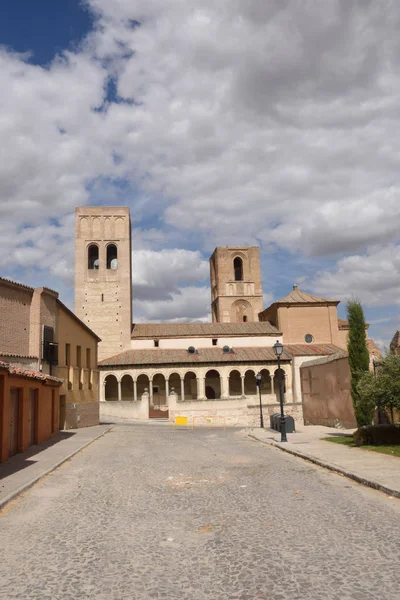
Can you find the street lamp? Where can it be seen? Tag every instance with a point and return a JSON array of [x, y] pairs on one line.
[[278, 349], [258, 382]]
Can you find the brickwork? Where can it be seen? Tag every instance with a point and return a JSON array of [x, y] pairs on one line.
[[103, 295], [236, 296], [15, 303]]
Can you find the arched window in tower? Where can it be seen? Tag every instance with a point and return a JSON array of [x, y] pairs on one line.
[[112, 256], [93, 256], [238, 269]]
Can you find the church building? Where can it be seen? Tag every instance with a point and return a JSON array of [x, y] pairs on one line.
[[205, 371]]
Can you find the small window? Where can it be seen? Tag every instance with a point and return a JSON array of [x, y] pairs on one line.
[[78, 356], [214, 342], [244, 318], [93, 257], [156, 343], [88, 357], [308, 338], [68, 355], [238, 269], [112, 256]]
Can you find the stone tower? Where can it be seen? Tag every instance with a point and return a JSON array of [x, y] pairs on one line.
[[103, 276], [236, 292]]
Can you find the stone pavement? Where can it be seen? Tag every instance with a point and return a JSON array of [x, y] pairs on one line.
[[164, 513], [23, 470], [379, 471]]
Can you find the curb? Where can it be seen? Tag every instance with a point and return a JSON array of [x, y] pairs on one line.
[[331, 467], [29, 484]]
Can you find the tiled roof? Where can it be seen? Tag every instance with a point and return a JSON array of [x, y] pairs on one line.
[[12, 282], [312, 349], [12, 355], [165, 356], [373, 348], [29, 374], [296, 296], [343, 324], [168, 330]]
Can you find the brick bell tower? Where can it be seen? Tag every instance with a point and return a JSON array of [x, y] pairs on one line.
[[103, 275], [236, 291]]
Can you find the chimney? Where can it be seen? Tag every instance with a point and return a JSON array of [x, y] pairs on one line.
[[295, 286]]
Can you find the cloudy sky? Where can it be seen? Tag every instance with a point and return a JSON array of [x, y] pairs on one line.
[[218, 122]]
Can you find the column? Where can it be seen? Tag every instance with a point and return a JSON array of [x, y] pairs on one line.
[[151, 391], [119, 391], [182, 389], [135, 391], [166, 390], [272, 383], [103, 387], [224, 385], [201, 392], [242, 378]]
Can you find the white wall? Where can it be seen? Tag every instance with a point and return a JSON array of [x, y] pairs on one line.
[[205, 342]]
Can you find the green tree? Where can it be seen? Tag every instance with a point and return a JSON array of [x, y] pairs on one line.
[[358, 361], [383, 389]]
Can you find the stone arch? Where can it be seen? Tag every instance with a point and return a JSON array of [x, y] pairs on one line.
[[84, 227], [108, 228], [250, 383], [112, 256], [111, 388], [266, 382], [93, 256], [235, 383], [143, 384], [276, 381], [213, 384], [159, 389], [241, 311], [190, 386], [96, 227], [127, 387], [238, 268], [174, 382], [119, 227]]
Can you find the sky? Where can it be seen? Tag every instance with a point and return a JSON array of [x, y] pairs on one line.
[[221, 122]]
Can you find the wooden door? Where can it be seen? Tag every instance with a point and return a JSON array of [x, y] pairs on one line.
[[32, 416], [14, 416], [63, 408]]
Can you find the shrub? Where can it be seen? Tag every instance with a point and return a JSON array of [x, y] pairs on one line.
[[377, 435]]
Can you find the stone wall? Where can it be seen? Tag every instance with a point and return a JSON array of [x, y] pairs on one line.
[[325, 385]]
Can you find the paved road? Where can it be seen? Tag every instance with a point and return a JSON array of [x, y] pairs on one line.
[[152, 512]]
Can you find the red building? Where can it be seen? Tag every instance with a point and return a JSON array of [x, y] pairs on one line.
[[29, 409]]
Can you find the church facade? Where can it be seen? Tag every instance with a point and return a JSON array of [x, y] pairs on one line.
[[204, 371]]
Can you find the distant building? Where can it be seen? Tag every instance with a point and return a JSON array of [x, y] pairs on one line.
[[204, 371]]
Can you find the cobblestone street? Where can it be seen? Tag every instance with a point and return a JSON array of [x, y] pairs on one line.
[[148, 511]]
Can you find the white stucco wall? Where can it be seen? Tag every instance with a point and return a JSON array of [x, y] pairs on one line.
[[205, 342]]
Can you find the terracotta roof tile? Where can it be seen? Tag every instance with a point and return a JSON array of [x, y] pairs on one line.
[[296, 296], [161, 356], [17, 371], [168, 330]]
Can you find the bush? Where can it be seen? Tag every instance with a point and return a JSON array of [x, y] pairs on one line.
[[377, 435]]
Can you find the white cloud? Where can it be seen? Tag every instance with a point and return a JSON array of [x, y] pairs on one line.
[[186, 304], [242, 122], [159, 275], [374, 277]]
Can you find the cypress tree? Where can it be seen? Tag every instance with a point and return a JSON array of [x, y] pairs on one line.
[[358, 359]]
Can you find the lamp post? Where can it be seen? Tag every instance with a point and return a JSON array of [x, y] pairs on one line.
[[278, 349], [258, 382]]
